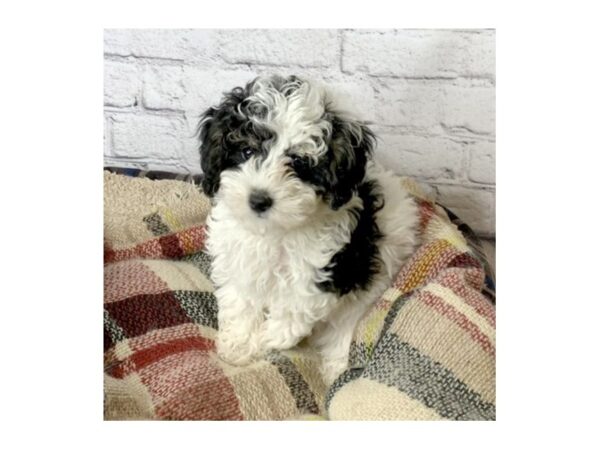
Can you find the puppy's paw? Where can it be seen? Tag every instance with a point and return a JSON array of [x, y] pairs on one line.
[[331, 369], [274, 341], [281, 335], [237, 350]]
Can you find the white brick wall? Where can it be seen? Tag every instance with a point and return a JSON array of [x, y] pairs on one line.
[[429, 93]]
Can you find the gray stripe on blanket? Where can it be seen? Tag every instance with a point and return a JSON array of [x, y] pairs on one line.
[[346, 377], [155, 224], [361, 354], [200, 260], [397, 364], [115, 332], [199, 306], [305, 399]]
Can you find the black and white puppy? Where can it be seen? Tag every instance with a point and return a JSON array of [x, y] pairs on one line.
[[306, 230]]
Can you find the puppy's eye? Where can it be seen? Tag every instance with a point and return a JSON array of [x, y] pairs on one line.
[[247, 153], [296, 160]]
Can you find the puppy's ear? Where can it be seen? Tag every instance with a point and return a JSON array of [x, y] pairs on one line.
[[215, 125], [350, 144], [212, 155]]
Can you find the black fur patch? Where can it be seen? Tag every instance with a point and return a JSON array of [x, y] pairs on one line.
[[355, 265], [225, 134], [342, 168]]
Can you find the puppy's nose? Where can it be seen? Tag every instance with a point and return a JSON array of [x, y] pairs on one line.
[[260, 201]]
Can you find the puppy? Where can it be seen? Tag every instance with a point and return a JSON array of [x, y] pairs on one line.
[[306, 230]]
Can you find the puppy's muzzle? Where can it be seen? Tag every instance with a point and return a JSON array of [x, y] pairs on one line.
[[260, 201]]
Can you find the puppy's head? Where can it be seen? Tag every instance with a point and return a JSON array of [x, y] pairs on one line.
[[278, 151]]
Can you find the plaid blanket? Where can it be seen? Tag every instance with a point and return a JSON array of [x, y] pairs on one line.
[[425, 350]]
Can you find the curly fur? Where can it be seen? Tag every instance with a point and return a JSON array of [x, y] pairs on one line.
[[332, 231]]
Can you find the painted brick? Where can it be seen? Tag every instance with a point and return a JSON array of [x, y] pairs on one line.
[[422, 157], [419, 53], [205, 88], [357, 97], [145, 136], [431, 106], [280, 47], [163, 87], [121, 84], [152, 43], [203, 47], [482, 163], [472, 108], [106, 135]]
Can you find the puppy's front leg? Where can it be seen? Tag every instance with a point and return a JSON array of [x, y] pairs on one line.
[[284, 331], [290, 321], [238, 339]]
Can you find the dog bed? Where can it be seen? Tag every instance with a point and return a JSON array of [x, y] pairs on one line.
[[424, 351]]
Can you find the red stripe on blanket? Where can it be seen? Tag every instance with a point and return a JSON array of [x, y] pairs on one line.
[[454, 279], [142, 313], [459, 318], [147, 356], [182, 243], [473, 270], [155, 337], [130, 278], [191, 386], [150, 249], [464, 260], [426, 211], [170, 246]]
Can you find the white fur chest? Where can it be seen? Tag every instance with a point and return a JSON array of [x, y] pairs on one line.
[[271, 266]]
